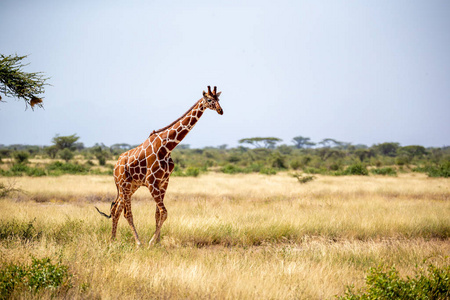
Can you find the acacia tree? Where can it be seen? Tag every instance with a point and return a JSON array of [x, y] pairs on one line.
[[302, 142], [261, 142], [63, 142], [19, 84]]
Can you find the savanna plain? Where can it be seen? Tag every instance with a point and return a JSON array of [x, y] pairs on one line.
[[245, 236]]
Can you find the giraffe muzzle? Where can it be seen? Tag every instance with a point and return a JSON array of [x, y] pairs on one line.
[[220, 111]]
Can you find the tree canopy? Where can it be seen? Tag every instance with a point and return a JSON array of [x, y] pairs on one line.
[[261, 142], [19, 84], [63, 142], [302, 142]]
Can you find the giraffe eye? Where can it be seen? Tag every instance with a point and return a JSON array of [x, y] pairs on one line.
[[209, 100]]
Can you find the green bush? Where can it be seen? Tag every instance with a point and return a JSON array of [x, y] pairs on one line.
[[232, 169], [384, 171], [356, 169], [22, 169], [59, 168], [189, 172], [382, 283], [41, 274], [15, 229], [312, 170], [303, 179], [66, 154], [192, 172], [21, 157], [268, 171], [441, 170]]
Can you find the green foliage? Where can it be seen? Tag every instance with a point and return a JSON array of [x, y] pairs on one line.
[[17, 83], [101, 155], [387, 149], [259, 142], [268, 171], [382, 283], [21, 169], [232, 169], [188, 172], [41, 274], [303, 178], [384, 171], [440, 170], [59, 168], [192, 172], [278, 161], [356, 169], [21, 230], [21, 157], [302, 142], [66, 154], [51, 151], [63, 142]]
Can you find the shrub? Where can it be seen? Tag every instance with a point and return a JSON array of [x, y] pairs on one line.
[[384, 171], [21, 157], [312, 170], [303, 179], [21, 230], [402, 160], [356, 169], [41, 274], [66, 154], [278, 161], [296, 164], [59, 168], [268, 171], [6, 191], [231, 169], [441, 170], [382, 283], [192, 172]]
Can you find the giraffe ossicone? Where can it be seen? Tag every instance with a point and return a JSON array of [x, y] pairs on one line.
[[150, 165]]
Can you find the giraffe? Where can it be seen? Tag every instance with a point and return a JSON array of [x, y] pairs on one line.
[[150, 165]]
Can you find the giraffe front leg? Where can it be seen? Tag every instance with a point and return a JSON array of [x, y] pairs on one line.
[[161, 211], [129, 216]]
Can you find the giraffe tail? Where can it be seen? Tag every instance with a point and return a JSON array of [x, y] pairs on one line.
[[102, 213]]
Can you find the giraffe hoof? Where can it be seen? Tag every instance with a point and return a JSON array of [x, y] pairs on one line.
[[153, 242]]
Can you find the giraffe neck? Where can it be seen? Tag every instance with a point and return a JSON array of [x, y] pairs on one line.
[[173, 134]]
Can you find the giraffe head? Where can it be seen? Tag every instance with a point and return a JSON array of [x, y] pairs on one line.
[[211, 100]]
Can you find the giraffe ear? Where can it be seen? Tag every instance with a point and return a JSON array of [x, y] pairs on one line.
[[218, 94], [204, 93]]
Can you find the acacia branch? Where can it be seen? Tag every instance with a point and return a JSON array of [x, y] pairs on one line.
[[19, 84]]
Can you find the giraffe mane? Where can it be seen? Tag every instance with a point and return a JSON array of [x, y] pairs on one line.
[[173, 123]]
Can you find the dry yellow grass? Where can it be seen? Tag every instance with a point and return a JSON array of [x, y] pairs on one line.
[[240, 236]]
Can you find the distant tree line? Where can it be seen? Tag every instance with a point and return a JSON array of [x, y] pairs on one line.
[[264, 155]]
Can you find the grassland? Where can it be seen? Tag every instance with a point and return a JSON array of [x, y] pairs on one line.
[[230, 236]]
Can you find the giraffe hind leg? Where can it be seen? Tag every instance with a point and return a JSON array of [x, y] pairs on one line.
[[116, 210], [161, 216]]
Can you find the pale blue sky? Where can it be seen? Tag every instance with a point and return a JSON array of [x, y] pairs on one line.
[[356, 71]]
